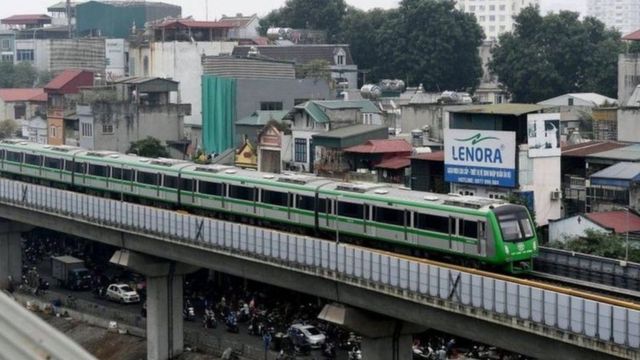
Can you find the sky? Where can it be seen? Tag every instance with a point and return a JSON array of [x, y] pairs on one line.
[[230, 7]]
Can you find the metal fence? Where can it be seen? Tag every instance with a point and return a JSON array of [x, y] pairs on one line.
[[570, 314]]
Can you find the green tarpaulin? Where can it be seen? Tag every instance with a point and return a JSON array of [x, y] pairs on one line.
[[218, 113]]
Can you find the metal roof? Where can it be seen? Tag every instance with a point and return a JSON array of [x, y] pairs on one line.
[[311, 108], [300, 54], [627, 153], [591, 147], [594, 98], [620, 221], [620, 171], [348, 131], [365, 106], [499, 109]]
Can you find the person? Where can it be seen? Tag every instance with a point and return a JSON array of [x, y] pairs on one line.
[[441, 354]]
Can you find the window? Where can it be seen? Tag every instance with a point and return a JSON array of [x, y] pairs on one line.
[[170, 181], [33, 159], [492, 8], [19, 111], [388, 216], [107, 128], [127, 174], [87, 129], [79, 168], [351, 210], [14, 156], [470, 229], [340, 60], [241, 192], [271, 105], [52, 163], [97, 170], [7, 58], [432, 223], [502, 7], [68, 165], [6, 44], [186, 185], [275, 198], [53, 132], [147, 178], [210, 188], [305, 202], [116, 173], [300, 150], [492, 18], [24, 55], [570, 101]]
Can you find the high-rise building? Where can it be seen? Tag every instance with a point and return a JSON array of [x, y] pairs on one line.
[[624, 15], [495, 16]]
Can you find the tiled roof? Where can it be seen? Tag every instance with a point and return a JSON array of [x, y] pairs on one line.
[[247, 68], [63, 79], [349, 131], [11, 95], [381, 147], [395, 163], [365, 106], [300, 54], [434, 156], [619, 221], [634, 36], [30, 19], [591, 147]]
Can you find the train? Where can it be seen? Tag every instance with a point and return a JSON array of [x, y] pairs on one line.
[[473, 231]]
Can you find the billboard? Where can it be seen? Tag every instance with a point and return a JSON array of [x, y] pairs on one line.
[[480, 157], [543, 132]]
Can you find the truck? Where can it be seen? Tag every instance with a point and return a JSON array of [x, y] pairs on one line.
[[70, 272]]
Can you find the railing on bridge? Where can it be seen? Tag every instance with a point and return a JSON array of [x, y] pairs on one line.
[[418, 282]]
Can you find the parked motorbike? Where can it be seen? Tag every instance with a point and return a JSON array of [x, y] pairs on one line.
[[355, 353], [329, 350], [232, 323], [189, 313], [209, 321]]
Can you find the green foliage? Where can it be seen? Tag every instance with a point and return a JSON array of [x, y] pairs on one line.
[[315, 69], [556, 54], [308, 14], [44, 77], [600, 244], [21, 75], [422, 41], [149, 147], [8, 128]]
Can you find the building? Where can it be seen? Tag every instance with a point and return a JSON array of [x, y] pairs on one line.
[[495, 16], [489, 91], [250, 127], [614, 187], [610, 222], [57, 55], [623, 15], [119, 19], [234, 88], [22, 104], [576, 112], [628, 125], [343, 71], [241, 26], [7, 45], [273, 141], [175, 50], [62, 92], [492, 151], [111, 117], [59, 13], [30, 21], [385, 159], [427, 173]]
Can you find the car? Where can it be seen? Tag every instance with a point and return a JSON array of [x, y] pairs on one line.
[[122, 293], [312, 335]]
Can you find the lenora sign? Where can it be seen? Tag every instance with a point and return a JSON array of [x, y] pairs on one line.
[[480, 157]]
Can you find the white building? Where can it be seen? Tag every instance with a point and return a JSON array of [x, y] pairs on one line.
[[624, 15], [495, 16]]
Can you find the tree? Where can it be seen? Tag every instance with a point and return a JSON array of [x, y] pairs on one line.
[[149, 147], [324, 15], [422, 41], [315, 69], [8, 128], [600, 244], [22, 75], [555, 54]]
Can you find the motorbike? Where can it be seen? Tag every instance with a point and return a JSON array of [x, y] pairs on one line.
[[209, 321], [426, 353], [329, 350], [189, 313], [355, 353], [232, 323], [43, 286]]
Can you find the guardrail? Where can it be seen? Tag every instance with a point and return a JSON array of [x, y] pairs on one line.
[[594, 269], [430, 285]]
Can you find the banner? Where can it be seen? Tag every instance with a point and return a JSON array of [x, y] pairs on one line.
[[543, 132]]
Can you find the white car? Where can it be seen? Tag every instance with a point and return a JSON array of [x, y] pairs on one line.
[[314, 337], [122, 293]]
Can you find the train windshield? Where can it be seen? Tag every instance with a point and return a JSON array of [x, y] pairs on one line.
[[515, 226]]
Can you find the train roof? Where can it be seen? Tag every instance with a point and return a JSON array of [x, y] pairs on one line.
[[26, 145]]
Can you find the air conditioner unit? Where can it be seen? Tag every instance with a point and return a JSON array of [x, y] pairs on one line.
[[556, 195]]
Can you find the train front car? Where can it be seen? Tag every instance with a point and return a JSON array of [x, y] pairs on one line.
[[517, 238]]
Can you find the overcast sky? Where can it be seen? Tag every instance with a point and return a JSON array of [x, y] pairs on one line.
[[229, 7]]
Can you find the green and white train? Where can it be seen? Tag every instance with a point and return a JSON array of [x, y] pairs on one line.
[[470, 230]]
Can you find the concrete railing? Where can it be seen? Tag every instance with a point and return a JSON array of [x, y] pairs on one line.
[[526, 307]]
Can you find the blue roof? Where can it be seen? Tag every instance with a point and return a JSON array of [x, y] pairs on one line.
[[619, 175]]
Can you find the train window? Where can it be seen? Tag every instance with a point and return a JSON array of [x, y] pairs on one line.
[[52, 163], [147, 178], [275, 198], [305, 202], [388, 216], [116, 173], [68, 165], [210, 188], [97, 170], [186, 184], [33, 159], [170, 181], [14, 156], [127, 174], [79, 168], [470, 229], [351, 210], [241, 192], [432, 223], [324, 206], [2, 154]]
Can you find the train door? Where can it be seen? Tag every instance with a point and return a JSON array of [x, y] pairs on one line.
[[482, 238], [455, 244]]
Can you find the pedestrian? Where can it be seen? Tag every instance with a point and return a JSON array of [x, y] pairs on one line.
[[266, 339]]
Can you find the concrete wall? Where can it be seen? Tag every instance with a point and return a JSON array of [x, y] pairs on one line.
[[180, 61], [545, 179], [628, 76], [417, 116], [571, 227], [41, 52], [629, 124], [117, 53]]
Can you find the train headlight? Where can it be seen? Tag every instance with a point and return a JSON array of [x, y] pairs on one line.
[[506, 249], [535, 245]]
